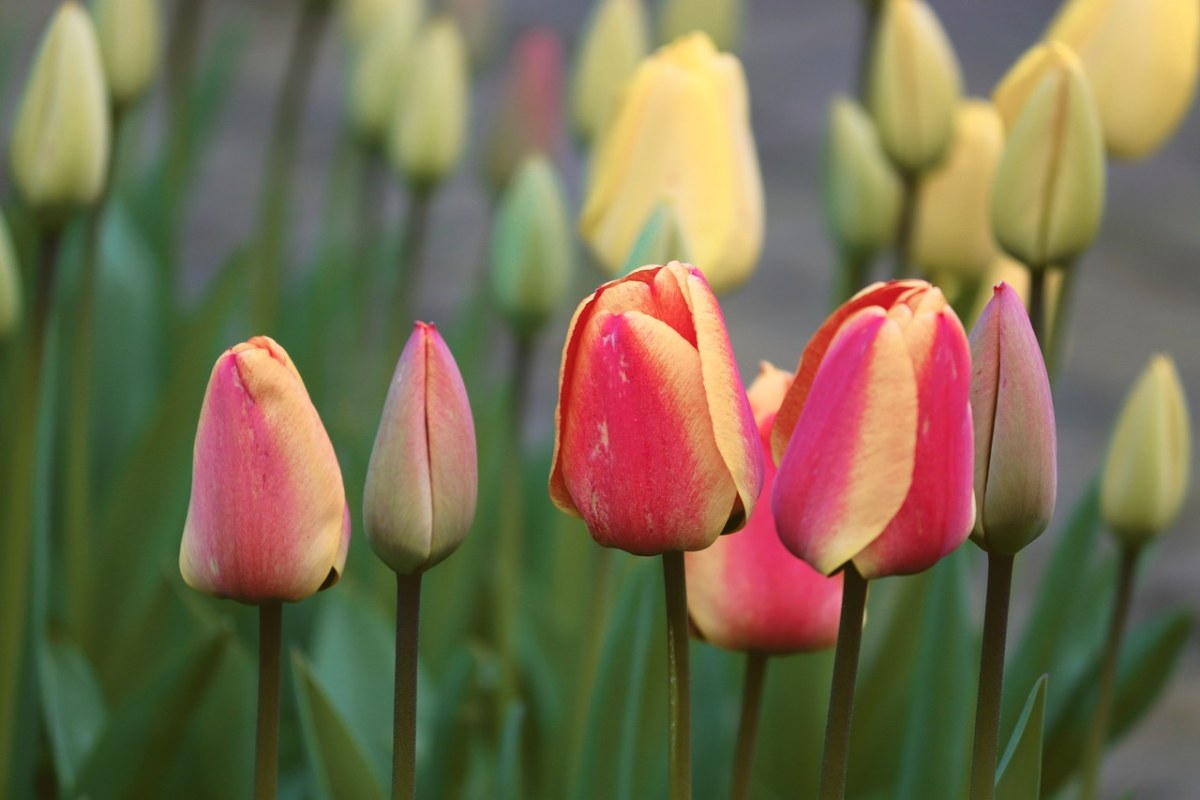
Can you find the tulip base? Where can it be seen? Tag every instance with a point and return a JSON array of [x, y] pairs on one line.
[[679, 728], [752, 688], [404, 737], [841, 695], [266, 748], [991, 677]]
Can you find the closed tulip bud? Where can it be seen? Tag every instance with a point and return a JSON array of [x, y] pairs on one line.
[[1048, 194], [1013, 413], [430, 123], [913, 85], [268, 518], [655, 446], [128, 31], [682, 136], [615, 41], [1145, 475], [532, 251], [419, 499], [660, 242], [861, 190], [361, 18], [530, 118], [747, 592], [952, 231], [60, 141], [381, 65], [10, 285], [1005, 270], [720, 19], [1140, 58], [874, 440]]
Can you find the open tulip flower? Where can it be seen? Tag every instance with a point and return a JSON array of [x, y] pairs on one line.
[[874, 438], [655, 444]]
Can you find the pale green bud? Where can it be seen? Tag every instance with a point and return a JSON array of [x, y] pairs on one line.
[[615, 41], [128, 31], [861, 190], [661, 241], [10, 285], [720, 19], [381, 67]]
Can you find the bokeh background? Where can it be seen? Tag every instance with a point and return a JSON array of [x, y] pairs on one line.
[[1139, 291]]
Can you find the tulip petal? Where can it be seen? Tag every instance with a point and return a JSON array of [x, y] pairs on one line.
[[848, 465], [453, 467]]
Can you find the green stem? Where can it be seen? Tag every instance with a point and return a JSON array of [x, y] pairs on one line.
[[412, 251], [991, 677], [866, 44], [904, 229], [752, 689], [841, 695], [679, 714], [404, 736], [278, 178], [1098, 735], [266, 746], [1037, 306], [851, 275], [1062, 312]]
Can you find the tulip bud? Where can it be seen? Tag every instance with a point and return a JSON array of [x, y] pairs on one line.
[[1005, 270], [60, 141], [747, 592], [419, 498], [1048, 194], [380, 67], [655, 446], [530, 119], [720, 19], [952, 231], [660, 242], [682, 136], [128, 31], [614, 41], [1140, 58], [268, 518], [1013, 414], [861, 191], [10, 285], [430, 123], [361, 18], [913, 85], [532, 248], [1145, 475]]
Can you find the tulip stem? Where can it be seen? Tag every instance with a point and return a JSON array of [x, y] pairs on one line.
[[852, 275], [841, 695], [991, 677], [908, 217], [1098, 734], [679, 712], [404, 736], [1037, 306], [412, 251], [266, 749], [752, 689], [866, 45]]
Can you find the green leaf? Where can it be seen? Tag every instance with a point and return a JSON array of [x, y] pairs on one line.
[[72, 705], [1019, 775], [341, 767], [795, 701], [509, 777]]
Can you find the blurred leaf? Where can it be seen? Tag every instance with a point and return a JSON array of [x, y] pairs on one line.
[[450, 713], [1019, 775], [341, 768], [792, 727], [509, 777], [72, 705]]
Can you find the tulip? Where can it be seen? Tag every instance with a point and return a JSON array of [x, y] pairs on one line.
[[60, 140], [720, 19], [360, 18], [1013, 413], [681, 135], [1005, 270], [655, 446], [660, 242], [10, 284], [530, 118], [429, 127], [913, 85], [614, 42], [953, 232], [1140, 58], [1048, 193], [1145, 477], [874, 440], [532, 249], [268, 519], [381, 65], [128, 32], [747, 592]]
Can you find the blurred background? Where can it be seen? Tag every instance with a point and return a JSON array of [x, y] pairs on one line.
[[1139, 292]]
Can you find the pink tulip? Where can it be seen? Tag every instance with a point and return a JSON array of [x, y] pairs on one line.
[[419, 499], [747, 592], [268, 519], [655, 444], [874, 438], [530, 119]]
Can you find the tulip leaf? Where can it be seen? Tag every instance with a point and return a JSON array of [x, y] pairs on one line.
[[337, 759], [1019, 775], [73, 707], [449, 716], [795, 699], [509, 778]]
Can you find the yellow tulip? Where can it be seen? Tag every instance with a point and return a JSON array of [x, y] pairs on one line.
[[615, 41], [128, 31], [381, 66], [1140, 57], [681, 136], [720, 19], [360, 18]]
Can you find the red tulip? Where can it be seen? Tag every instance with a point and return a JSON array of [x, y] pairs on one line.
[[531, 119], [655, 444], [874, 438], [747, 592]]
